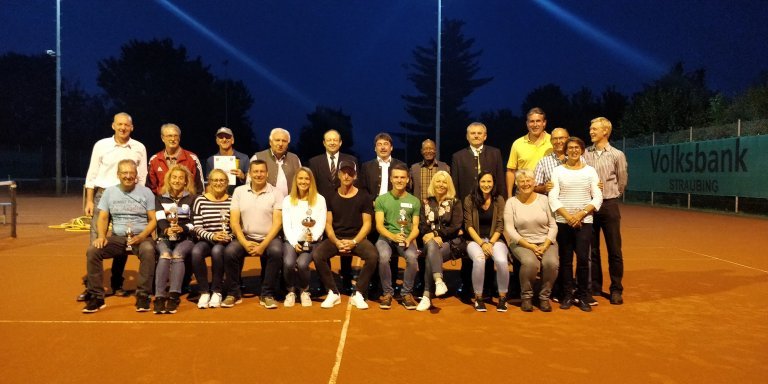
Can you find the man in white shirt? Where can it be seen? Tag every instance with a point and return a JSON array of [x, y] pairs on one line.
[[102, 173]]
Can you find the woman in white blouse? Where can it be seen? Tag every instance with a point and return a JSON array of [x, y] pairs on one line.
[[574, 197], [304, 214], [531, 229]]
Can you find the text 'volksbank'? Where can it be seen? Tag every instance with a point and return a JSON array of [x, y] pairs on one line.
[[675, 160]]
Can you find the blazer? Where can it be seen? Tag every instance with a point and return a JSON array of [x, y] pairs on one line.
[[464, 170], [326, 184], [369, 177]]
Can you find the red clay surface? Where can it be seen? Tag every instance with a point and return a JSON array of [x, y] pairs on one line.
[[693, 312]]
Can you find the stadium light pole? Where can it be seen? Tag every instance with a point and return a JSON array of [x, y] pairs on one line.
[[438, 74], [57, 55]]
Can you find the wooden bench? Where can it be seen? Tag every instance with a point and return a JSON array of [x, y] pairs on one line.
[[12, 204]]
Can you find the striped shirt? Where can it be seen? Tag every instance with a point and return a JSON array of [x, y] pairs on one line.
[[611, 167], [574, 189], [207, 217]]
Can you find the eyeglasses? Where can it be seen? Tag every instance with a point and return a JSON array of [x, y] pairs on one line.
[[223, 137], [218, 181]]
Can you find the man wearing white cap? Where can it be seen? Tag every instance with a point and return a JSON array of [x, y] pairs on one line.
[[225, 139]]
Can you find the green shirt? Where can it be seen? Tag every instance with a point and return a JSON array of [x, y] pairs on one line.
[[391, 206]]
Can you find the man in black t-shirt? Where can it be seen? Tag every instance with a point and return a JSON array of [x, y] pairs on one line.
[[349, 220]]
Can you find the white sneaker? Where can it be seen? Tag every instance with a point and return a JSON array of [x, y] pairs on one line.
[[440, 288], [215, 300], [290, 300], [359, 301], [306, 299], [202, 303], [331, 300], [424, 305]]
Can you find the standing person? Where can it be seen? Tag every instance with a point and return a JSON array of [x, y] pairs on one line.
[[441, 219], [302, 204], [211, 219], [611, 166], [422, 172], [529, 149], [397, 221], [132, 209], [347, 227], [102, 173], [484, 223], [574, 198], [225, 140], [532, 232], [466, 166], [174, 243], [255, 220], [281, 164], [542, 174], [325, 167], [173, 154], [375, 174]]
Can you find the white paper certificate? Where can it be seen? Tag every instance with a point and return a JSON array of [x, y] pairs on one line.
[[226, 163]]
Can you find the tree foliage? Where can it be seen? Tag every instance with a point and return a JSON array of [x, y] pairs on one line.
[[157, 83], [321, 120], [459, 68], [676, 101]]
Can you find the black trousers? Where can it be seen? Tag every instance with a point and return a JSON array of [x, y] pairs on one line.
[[608, 221]]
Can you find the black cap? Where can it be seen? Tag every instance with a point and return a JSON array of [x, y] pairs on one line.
[[348, 165]]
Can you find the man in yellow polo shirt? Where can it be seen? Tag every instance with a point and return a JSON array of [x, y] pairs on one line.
[[529, 149]]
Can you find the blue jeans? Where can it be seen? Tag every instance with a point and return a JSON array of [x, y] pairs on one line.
[[202, 249], [292, 261], [411, 254]]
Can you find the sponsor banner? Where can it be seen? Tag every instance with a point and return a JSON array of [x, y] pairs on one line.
[[736, 166]]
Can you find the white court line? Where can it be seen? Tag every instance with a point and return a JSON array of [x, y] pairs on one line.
[[342, 340], [723, 260], [165, 322]]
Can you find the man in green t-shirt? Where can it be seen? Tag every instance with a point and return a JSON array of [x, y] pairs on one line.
[[397, 221]]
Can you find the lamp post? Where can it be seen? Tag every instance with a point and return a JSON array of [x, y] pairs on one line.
[[57, 55], [438, 74]]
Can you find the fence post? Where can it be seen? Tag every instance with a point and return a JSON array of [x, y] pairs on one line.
[[13, 209]]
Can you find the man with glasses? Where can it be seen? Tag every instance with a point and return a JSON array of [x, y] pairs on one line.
[[172, 155], [225, 139]]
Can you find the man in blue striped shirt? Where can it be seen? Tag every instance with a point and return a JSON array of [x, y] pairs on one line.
[[611, 166]]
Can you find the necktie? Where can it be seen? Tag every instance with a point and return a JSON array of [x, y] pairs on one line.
[[333, 167], [477, 157]]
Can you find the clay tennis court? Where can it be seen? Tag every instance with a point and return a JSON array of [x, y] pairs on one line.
[[693, 313]]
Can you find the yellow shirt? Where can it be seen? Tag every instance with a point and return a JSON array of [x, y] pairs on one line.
[[525, 154]]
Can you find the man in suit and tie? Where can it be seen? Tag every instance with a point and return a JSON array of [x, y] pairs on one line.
[[466, 164], [325, 168]]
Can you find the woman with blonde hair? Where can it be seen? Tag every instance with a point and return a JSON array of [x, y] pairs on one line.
[[174, 243], [304, 215]]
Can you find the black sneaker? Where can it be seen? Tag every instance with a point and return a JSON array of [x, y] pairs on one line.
[[616, 298], [94, 304], [409, 302], [142, 303], [160, 303], [590, 301], [583, 304], [172, 304], [386, 302], [84, 296], [480, 305], [545, 306], [502, 305], [566, 302]]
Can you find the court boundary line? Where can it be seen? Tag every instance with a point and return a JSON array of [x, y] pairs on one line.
[[723, 260], [108, 322], [343, 336]]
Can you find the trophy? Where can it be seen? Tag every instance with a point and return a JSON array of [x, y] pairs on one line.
[[403, 221], [224, 220], [173, 218], [308, 223], [128, 237]]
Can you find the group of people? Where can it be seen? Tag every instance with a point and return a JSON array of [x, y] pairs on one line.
[[554, 200]]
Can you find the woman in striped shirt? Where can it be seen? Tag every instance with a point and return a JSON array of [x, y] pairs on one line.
[[210, 218], [574, 197]]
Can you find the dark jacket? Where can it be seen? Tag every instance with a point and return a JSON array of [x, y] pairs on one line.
[[464, 169], [326, 184], [369, 177], [472, 218]]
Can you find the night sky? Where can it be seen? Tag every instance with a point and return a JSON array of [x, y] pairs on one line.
[[293, 55]]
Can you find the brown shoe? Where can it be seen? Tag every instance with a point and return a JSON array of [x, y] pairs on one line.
[[409, 302], [386, 302]]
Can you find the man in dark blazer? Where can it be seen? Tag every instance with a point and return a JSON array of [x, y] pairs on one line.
[[371, 171], [325, 167], [466, 164]]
